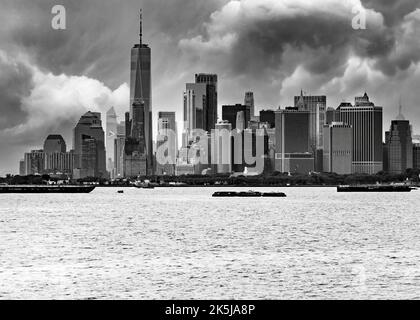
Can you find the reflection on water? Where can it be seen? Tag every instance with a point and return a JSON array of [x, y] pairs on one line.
[[183, 244]]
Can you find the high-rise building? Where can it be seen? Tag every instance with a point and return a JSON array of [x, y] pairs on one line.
[[366, 120], [89, 158], [211, 102], [140, 99], [195, 98], [230, 114], [89, 125], [135, 151], [294, 151], [399, 146], [34, 162], [338, 148], [268, 116], [249, 101], [55, 144], [57, 159], [317, 107], [53, 159], [59, 163], [240, 121], [332, 115], [111, 135], [119, 148], [222, 147], [22, 168], [416, 156], [167, 133]]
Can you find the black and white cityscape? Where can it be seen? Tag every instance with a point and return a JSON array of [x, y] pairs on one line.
[[307, 134], [161, 96]]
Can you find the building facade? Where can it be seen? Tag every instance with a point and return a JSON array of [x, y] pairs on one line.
[[399, 147], [366, 120], [34, 162], [268, 116], [249, 102], [195, 108], [89, 128], [55, 144], [111, 135], [211, 100], [416, 156], [168, 135], [338, 148], [222, 147], [230, 114], [294, 152]]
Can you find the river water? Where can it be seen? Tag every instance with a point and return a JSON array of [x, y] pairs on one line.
[[180, 243]]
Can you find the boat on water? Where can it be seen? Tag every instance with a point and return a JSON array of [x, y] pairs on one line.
[[45, 189], [143, 185], [376, 188], [248, 194]]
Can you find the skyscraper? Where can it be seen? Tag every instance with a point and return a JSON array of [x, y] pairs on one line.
[[89, 128], [55, 144], [294, 152], [57, 159], [119, 147], [240, 121], [111, 135], [249, 101], [399, 146], [141, 98], [22, 168], [230, 114], [34, 162], [316, 106], [135, 152], [366, 120], [338, 148], [416, 156], [195, 107], [268, 116], [222, 147], [211, 102], [167, 133]]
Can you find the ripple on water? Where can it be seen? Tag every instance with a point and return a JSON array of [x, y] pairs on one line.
[[183, 244]]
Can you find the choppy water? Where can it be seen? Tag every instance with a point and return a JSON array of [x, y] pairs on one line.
[[182, 244]]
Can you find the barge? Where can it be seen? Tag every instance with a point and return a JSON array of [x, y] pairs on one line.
[[46, 189], [248, 194], [375, 188]]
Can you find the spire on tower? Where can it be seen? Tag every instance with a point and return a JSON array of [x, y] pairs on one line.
[[400, 114], [141, 27]]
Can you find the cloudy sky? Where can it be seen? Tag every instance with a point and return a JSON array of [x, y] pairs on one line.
[[48, 78]]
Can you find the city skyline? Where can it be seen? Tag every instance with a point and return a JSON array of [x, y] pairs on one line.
[[27, 121]]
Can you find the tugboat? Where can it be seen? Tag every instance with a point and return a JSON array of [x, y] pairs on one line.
[[45, 189], [248, 194]]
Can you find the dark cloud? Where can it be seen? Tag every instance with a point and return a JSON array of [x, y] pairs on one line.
[[392, 10], [261, 46], [100, 32], [15, 84]]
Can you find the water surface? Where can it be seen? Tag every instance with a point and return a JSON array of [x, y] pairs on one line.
[[180, 243]]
